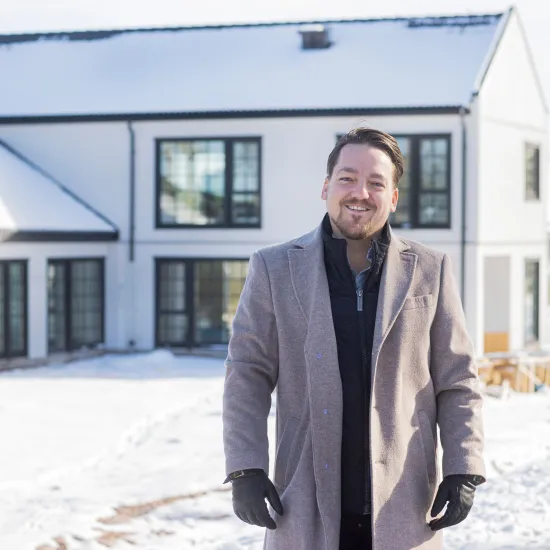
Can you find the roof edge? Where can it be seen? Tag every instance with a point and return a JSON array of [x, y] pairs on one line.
[[62, 187], [8, 235], [495, 44], [108, 33], [208, 115], [532, 61]]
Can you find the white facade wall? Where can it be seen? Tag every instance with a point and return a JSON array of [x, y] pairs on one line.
[[511, 113], [93, 159]]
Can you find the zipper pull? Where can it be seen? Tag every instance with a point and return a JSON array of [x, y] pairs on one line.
[[359, 300]]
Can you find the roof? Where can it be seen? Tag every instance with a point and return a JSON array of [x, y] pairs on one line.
[[404, 63], [33, 206]]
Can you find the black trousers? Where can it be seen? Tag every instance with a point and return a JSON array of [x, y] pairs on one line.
[[355, 533]]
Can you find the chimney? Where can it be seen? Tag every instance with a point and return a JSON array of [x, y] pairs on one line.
[[315, 37]]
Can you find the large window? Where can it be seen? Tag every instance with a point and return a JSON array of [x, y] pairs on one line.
[[197, 300], [532, 293], [424, 190], [209, 182], [532, 172], [75, 304], [13, 308]]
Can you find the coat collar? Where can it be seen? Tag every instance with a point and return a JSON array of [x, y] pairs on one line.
[[311, 285]]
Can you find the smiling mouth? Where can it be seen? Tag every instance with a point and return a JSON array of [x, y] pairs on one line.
[[357, 209]]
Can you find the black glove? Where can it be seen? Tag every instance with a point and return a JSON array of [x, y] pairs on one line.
[[459, 491], [250, 489]]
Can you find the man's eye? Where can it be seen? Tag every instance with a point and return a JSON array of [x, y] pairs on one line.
[[347, 180]]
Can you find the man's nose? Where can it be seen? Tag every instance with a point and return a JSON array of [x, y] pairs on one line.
[[361, 190]]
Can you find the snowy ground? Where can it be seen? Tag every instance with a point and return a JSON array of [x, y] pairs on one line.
[[126, 452]]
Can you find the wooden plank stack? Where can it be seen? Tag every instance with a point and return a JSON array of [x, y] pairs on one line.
[[524, 373]]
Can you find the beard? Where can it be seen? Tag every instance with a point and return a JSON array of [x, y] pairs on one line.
[[355, 231]]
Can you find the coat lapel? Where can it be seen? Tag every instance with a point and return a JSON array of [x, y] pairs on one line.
[[397, 277], [310, 285]]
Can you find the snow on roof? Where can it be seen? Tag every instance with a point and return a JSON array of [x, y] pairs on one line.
[[30, 201], [385, 63]]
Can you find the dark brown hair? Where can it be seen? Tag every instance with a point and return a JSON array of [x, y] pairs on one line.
[[375, 138]]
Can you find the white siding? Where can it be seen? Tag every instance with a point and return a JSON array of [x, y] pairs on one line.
[[94, 160], [512, 112]]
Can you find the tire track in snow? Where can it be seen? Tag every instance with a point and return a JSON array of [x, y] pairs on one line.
[[135, 436]]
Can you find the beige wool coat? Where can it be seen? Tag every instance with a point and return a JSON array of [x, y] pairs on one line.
[[423, 375]]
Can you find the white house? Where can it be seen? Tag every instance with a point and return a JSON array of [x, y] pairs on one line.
[[139, 169]]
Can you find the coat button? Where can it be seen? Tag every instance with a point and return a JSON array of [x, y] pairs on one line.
[[319, 355]]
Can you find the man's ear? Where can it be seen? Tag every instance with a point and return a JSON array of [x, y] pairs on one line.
[[324, 190], [394, 199]]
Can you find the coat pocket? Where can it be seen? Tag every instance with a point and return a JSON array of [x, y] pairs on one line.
[[428, 445], [283, 451], [418, 302]]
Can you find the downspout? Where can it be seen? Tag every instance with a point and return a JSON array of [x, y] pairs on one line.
[[132, 232], [463, 208], [132, 229]]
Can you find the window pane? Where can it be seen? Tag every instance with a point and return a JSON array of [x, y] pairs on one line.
[[246, 166], [192, 182], [173, 319], [2, 310], [531, 301], [16, 315], [86, 303], [434, 209], [172, 329], [218, 286], [433, 164], [245, 202], [57, 302], [246, 208], [172, 286], [532, 171], [402, 215]]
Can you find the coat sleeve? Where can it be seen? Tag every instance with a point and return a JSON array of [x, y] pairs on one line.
[[456, 382], [251, 373]]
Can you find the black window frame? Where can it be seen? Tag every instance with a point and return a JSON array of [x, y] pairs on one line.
[[189, 263], [228, 143], [537, 308], [532, 194], [68, 293], [414, 181], [8, 353]]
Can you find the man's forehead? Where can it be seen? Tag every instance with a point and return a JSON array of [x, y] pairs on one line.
[[362, 152]]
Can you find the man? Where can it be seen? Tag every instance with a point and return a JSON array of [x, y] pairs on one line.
[[364, 336]]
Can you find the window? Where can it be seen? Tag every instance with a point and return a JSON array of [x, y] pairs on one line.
[[197, 300], [75, 304], [424, 189], [532, 172], [531, 323], [209, 183], [13, 308]]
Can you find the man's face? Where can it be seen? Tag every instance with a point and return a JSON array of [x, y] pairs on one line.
[[360, 193]]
